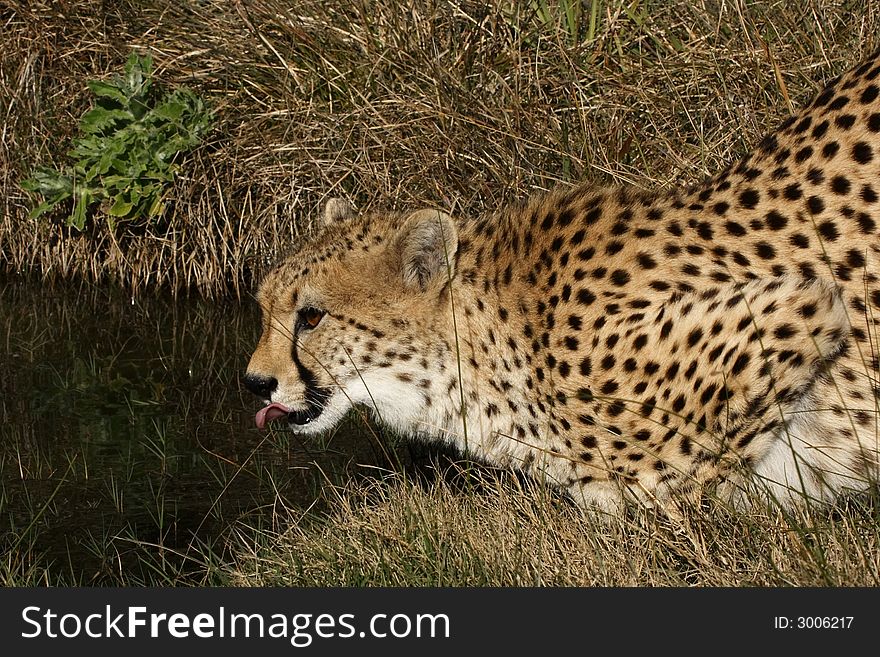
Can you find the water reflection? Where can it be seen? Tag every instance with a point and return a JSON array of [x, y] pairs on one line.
[[125, 435]]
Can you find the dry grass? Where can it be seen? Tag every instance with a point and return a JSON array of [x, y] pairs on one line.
[[494, 531], [460, 105]]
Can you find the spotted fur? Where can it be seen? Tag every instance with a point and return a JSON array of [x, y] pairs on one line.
[[616, 342]]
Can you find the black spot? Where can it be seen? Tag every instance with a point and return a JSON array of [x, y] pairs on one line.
[[620, 277], [845, 121], [571, 342], [838, 103], [586, 366], [608, 362], [874, 122], [646, 261], [708, 393], [868, 194], [704, 230], [800, 240], [694, 337], [824, 98], [830, 149], [855, 258], [784, 331], [840, 185], [585, 297], [815, 204], [803, 154], [765, 250], [866, 223], [640, 341], [828, 230], [740, 363], [807, 270], [734, 228], [613, 247], [586, 254], [869, 95], [609, 387], [720, 208], [741, 260], [776, 221], [779, 173], [803, 125], [862, 152], [792, 192], [575, 322], [820, 130]]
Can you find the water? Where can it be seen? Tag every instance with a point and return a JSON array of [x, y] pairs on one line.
[[127, 445]]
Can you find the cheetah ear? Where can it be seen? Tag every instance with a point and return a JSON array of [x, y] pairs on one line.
[[337, 209], [429, 242]]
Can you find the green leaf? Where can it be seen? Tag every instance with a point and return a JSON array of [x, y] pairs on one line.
[[137, 73], [121, 207], [170, 110], [87, 148], [42, 208], [77, 218], [157, 207], [50, 183], [108, 90], [127, 149], [98, 119]]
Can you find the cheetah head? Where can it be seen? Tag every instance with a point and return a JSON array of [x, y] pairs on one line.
[[359, 314]]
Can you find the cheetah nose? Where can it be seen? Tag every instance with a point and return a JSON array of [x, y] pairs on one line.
[[261, 386]]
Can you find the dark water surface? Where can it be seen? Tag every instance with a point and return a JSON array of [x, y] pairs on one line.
[[127, 441]]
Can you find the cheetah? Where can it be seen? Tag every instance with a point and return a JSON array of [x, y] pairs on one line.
[[621, 344]]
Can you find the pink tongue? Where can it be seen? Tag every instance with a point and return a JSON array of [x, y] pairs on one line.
[[269, 413]]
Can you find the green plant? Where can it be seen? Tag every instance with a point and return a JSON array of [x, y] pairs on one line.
[[126, 154]]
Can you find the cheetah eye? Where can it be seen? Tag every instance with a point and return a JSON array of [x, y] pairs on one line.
[[310, 317]]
